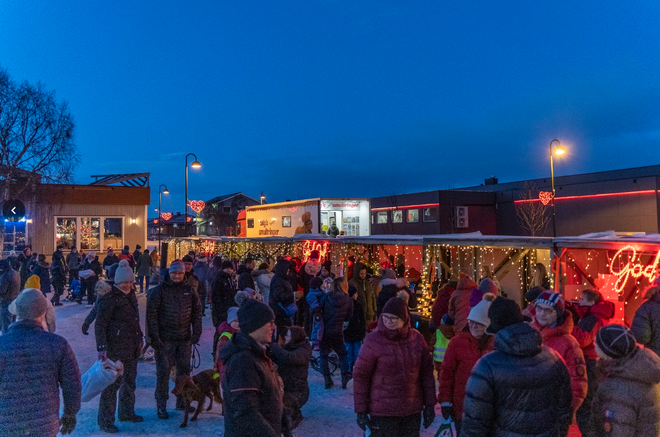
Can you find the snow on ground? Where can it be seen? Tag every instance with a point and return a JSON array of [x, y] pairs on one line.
[[329, 413]]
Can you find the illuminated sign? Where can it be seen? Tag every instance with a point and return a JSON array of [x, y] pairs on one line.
[[545, 197], [309, 246], [265, 231], [632, 268], [166, 215], [197, 205]]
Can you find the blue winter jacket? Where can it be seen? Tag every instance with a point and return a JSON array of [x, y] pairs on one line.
[[34, 365]]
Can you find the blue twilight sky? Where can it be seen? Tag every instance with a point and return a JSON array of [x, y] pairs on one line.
[[344, 97]]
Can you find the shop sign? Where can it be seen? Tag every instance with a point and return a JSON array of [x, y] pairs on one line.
[[265, 231], [309, 246], [632, 268], [340, 205]]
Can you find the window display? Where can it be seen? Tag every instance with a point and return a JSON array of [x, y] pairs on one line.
[[90, 233], [65, 234], [381, 218], [430, 214], [397, 216], [413, 215], [112, 233]]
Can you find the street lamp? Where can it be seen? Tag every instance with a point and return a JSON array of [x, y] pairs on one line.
[[263, 196], [160, 229], [195, 164], [557, 150]]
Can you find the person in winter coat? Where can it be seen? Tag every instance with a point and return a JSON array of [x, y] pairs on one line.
[[10, 286], [556, 325], [292, 359], [58, 275], [190, 275], [244, 273], [391, 287], [222, 293], [366, 295], [626, 402], [42, 269], [174, 323], [522, 387], [110, 259], [34, 366], [137, 254], [486, 286], [262, 279], [143, 269], [590, 315], [49, 323], [119, 337], [309, 270], [125, 254], [326, 271], [91, 262], [646, 323], [73, 261], [336, 308], [443, 332], [459, 302], [201, 269], [393, 381], [225, 331], [463, 352], [253, 392], [356, 330], [155, 270], [317, 287], [281, 297], [100, 289], [24, 259]]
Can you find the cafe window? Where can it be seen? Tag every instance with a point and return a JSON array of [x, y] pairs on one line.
[[381, 218], [397, 216], [65, 234], [113, 232], [430, 214], [413, 215], [89, 233]]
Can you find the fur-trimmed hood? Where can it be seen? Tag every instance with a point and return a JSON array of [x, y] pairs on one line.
[[399, 282]]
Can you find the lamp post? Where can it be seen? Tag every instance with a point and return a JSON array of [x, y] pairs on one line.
[[195, 164], [558, 150], [160, 229], [263, 196]]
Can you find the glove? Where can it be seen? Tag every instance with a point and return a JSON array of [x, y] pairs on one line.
[[67, 424], [429, 416], [363, 421], [447, 410], [85, 328]]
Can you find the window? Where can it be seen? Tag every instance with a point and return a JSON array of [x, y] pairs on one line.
[[250, 223], [430, 215], [226, 209], [286, 221], [90, 233], [65, 234], [397, 216], [413, 215], [113, 233], [381, 218], [372, 218]]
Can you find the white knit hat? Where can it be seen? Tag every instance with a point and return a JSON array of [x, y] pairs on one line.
[[124, 272], [479, 313]]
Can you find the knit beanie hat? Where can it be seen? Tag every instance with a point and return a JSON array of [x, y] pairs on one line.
[[479, 313], [187, 259], [533, 293], [30, 304], [397, 307], [616, 341], [91, 254], [389, 274], [502, 313], [314, 254], [554, 300], [253, 314], [227, 265], [176, 266], [232, 314], [328, 265], [315, 283], [487, 285], [33, 282], [124, 272]]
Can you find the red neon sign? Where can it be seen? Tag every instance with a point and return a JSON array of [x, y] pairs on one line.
[[633, 268], [309, 246], [592, 196]]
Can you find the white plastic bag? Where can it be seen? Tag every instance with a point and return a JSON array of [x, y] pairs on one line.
[[86, 273], [447, 429], [98, 377]]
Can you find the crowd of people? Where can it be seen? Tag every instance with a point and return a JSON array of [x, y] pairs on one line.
[[500, 371]]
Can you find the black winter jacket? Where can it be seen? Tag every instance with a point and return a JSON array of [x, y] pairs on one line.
[[391, 289], [357, 328], [337, 308], [95, 266], [280, 289], [521, 389], [253, 391], [245, 278], [222, 297], [110, 260], [293, 366], [117, 326], [10, 287], [172, 310], [646, 323]]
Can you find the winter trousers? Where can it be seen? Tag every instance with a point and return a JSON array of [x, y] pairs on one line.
[[126, 386], [59, 291], [141, 280], [353, 350], [171, 354], [6, 318], [385, 426], [73, 274], [584, 415], [328, 344], [87, 287]]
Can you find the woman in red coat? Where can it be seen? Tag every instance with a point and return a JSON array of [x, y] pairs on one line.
[[393, 377], [556, 326], [462, 354]]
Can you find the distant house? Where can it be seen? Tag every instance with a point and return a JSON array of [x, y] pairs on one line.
[[219, 216]]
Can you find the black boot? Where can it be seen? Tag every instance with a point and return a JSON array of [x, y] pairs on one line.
[[345, 377], [328, 381]]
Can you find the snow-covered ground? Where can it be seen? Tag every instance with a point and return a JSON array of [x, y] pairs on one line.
[[328, 412]]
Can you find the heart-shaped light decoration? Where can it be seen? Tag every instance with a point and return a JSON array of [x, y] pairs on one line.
[[156, 221], [188, 219], [166, 215], [545, 197], [197, 205]]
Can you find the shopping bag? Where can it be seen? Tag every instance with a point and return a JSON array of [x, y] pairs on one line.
[[98, 377], [447, 429]]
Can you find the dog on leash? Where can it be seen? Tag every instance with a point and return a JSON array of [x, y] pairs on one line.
[[197, 388]]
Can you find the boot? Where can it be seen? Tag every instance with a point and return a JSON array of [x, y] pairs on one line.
[[328, 381], [345, 377]]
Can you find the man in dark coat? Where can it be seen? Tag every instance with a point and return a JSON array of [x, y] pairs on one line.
[[91, 262], [110, 259], [137, 253], [281, 296], [119, 337], [174, 323], [190, 275], [223, 292], [10, 286], [58, 274], [34, 365], [24, 258], [646, 323], [245, 275], [252, 388], [201, 270], [307, 271], [73, 261], [365, 294], [522, 387]]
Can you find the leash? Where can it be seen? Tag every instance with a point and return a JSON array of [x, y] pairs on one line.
[[195, 359]]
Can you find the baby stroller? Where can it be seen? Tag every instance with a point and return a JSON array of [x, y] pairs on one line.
[[74, 291]]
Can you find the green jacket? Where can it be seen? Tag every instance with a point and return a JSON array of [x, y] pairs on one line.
[[366, 295]]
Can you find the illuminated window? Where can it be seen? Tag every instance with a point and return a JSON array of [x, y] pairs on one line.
[[65, 233], [381, 218], [430, 215], [286, 221], [397, 216], [413, 215], [112, 232]]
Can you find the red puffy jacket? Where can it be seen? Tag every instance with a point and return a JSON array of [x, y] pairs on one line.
[[393, 375], [560, 339], [591, 320], [459, 303], [462, 354]]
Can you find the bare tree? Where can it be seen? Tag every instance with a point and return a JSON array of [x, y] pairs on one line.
[[533, 216]]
